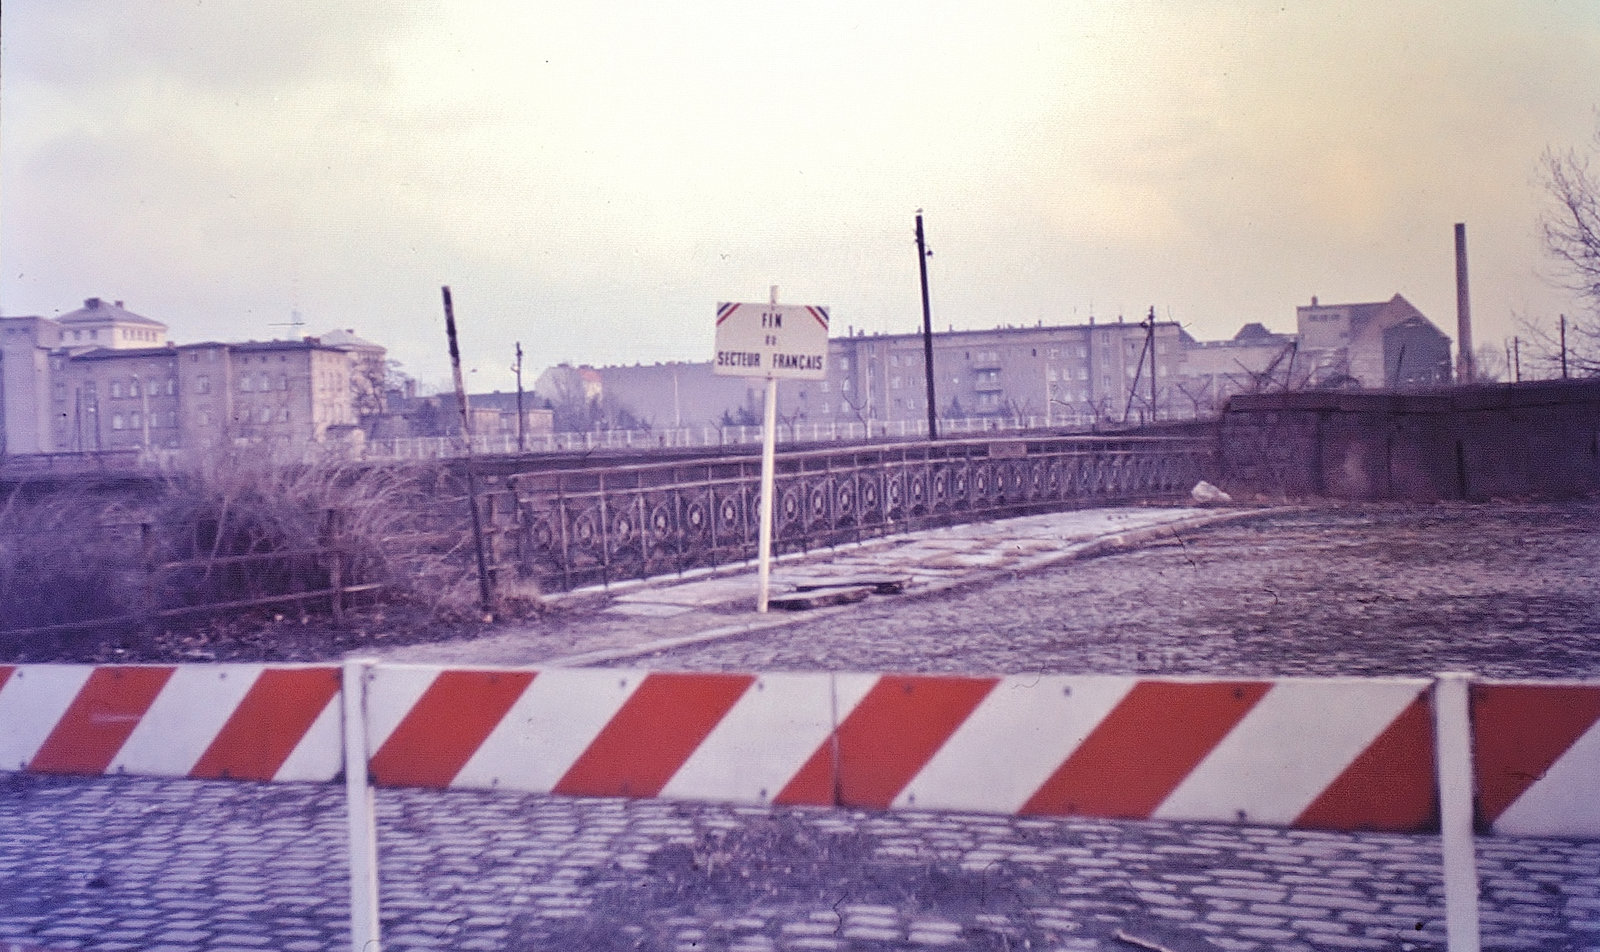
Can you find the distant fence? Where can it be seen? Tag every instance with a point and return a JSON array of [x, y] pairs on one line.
[[446, 447], [572, 528]]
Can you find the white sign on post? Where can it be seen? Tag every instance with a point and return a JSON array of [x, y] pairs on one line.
[[784, 341], [770, 340]]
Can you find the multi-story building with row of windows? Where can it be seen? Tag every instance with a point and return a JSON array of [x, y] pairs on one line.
[[103, 378], [1068, 375]]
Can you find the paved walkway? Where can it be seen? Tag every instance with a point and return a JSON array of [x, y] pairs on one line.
[[633, 620]]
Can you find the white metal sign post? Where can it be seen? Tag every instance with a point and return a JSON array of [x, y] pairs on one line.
[[770, 340]]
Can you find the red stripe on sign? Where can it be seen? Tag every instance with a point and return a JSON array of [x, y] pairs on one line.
[[889, 737], [5, 674], [1144, 748], [659, 726], [99, 720], [446, 726], [1521, 730], [1389, 786], [270, 721]]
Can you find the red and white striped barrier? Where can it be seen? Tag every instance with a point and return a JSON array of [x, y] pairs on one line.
[[1339, 753], [1536, 758], [1345, 754], [240, 721]]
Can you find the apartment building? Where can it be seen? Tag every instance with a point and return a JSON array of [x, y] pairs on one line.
[[283, 393], [1059, 375], [105, 378]]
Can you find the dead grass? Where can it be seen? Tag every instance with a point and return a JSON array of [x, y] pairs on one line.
[[240, 532]]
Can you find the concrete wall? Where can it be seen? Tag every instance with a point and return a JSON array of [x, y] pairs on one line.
[[1469, 443]]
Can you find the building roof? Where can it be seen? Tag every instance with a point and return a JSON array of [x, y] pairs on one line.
[[347, 339], [113, 353], [96, 311], [304, 343], [1255, 331]]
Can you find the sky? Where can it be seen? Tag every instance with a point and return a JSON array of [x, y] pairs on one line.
[[591, 179]]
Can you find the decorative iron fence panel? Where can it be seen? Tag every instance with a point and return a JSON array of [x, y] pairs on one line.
[[573, 528]]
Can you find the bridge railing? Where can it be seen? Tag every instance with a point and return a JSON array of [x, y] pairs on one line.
[[574, 528], [707, 435]]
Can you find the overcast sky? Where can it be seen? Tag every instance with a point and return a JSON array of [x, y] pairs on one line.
[[592, 178]]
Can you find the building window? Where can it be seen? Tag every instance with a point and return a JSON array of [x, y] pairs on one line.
[[244, 384], [205, 417], [116, 388], [134, 419], [266, 415], [133, 387], [172, 386], [116, 421], [283, 381], [202, 384], [283, 414]]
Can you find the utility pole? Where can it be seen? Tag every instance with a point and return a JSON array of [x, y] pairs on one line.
[[1563, 347], [485, 595], [522, 446], [927, 331], [1516, 356], [1150, 341]]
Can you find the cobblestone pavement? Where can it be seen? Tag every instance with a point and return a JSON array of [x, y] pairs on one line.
[[625, 620], [176, 866], [1501, 591]]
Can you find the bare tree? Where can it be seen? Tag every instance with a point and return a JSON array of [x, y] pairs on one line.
[[1571, 227], [1198, 397]]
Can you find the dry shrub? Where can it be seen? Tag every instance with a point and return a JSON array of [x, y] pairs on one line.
[[239, 529], [64, 558], [290, 519]]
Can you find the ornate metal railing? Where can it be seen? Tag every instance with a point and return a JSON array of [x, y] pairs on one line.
[[581, 527]]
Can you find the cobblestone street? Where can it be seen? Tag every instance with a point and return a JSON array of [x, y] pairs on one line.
[[173, 866], [1501, 591], [123, 863]]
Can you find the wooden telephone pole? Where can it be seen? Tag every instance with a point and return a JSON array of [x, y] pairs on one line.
[[927, 331]]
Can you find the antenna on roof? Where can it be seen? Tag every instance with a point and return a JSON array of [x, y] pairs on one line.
[[294, 321]]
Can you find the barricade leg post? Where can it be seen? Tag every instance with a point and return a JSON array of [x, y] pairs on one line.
[[1453, 739], [364, 935]]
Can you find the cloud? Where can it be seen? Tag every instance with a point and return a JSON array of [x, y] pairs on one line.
[[591, 178]]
